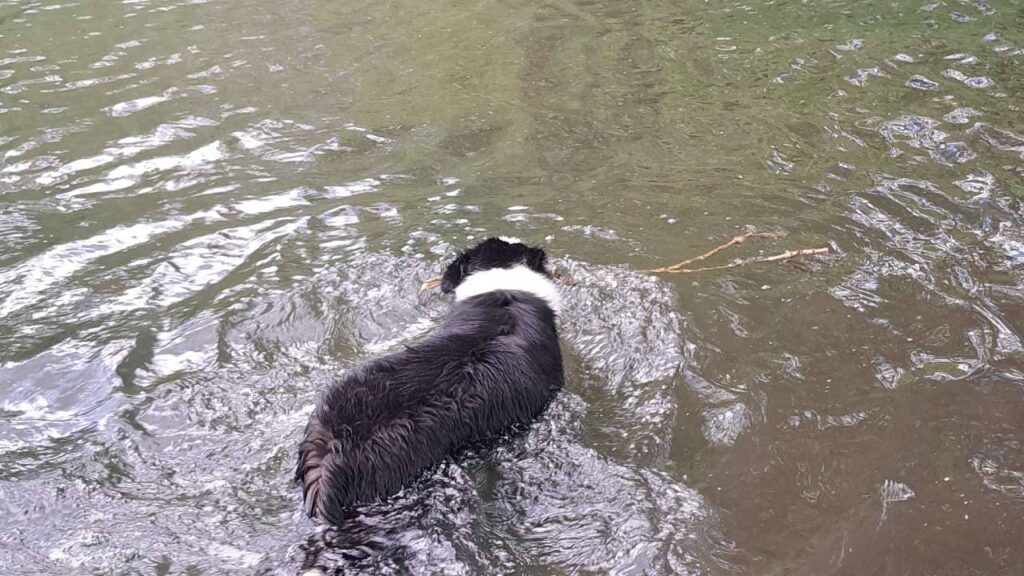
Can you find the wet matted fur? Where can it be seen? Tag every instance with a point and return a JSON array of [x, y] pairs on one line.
[[492, 365]]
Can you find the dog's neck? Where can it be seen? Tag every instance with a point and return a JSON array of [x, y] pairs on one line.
[[519, 278]]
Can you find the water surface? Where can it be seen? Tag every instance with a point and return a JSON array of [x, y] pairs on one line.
[[211, 208]]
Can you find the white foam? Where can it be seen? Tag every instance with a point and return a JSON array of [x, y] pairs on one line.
[[510, 239], [518, 278]]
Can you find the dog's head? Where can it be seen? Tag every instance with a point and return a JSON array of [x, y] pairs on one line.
[[493, 253]]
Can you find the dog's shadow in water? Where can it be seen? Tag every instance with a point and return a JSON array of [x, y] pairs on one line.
[[361, 544]]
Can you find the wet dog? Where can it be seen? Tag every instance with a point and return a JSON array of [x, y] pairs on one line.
[[492, 366]]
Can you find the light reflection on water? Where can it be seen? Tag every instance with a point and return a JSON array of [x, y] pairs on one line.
[[210, 209]]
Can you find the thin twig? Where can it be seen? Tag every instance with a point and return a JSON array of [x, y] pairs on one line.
[[737, 240], [562, 279], [744, 261]]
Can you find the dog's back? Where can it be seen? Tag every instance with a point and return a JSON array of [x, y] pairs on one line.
[[493, 364]]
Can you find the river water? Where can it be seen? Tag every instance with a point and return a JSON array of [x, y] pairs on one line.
[[209, 209]]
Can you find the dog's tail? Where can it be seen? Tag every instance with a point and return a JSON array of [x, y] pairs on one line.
[[314, 469]]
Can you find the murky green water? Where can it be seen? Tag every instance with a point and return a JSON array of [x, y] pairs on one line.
[[208, 209]]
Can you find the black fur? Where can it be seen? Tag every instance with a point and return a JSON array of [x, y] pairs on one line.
[[493, 364]]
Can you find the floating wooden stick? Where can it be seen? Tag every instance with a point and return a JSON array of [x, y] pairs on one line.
[[737, 240], [744, 261], [681, 268]]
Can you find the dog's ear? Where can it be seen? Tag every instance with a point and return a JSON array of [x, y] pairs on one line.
[[536, 260], [455, 273]]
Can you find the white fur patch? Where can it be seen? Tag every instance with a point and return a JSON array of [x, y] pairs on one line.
[[519, 278], [510, 239]]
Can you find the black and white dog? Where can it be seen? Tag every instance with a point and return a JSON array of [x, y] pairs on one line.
[[492, 366]]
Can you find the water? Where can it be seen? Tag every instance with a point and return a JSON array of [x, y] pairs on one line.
[[209, 209]]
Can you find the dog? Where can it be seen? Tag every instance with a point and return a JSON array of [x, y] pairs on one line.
[[491, 367]]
